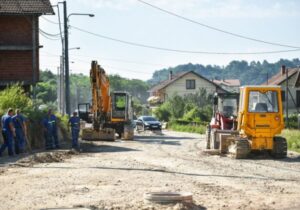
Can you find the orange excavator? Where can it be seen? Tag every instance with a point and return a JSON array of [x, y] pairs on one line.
[[109, 112]]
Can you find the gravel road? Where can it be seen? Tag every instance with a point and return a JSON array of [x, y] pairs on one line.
[[115, 175]]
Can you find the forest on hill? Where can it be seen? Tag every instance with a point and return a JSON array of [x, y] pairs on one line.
[[249, 73]]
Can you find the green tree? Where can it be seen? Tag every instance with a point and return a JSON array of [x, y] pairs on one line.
[[14, 97]]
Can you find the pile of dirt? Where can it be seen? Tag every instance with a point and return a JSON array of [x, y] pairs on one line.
[[45, 157]]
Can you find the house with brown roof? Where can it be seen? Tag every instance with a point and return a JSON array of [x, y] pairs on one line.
[[293, 81], [182, 84], [231, 85], [19, 40]]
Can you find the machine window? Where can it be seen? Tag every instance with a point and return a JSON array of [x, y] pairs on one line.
[[120, 102], [263, 101]]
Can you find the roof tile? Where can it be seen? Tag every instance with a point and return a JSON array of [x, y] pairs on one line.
[[25, 7]]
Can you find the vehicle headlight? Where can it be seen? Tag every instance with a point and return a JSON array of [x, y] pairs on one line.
[[146, 123]]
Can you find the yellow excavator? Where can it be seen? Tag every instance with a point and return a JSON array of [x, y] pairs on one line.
[[110, 112], [259, 121]]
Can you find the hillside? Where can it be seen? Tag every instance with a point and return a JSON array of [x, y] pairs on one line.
[[252, 73]]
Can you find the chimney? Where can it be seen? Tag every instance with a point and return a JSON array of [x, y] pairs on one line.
[[283, 70], [170, 75]]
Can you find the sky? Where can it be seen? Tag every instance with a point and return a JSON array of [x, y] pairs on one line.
[[132, 21]]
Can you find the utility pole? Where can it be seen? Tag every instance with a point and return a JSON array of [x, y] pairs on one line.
[[62, 86], [58, 89], [286, 96], [67, 78]]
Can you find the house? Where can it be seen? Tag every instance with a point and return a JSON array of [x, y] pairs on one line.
[[19, 40], [182, 84], [231, 85], [293, 86]]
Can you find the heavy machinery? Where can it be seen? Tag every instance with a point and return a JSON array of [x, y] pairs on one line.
[[109, 112], [259, 120], [225, 108]]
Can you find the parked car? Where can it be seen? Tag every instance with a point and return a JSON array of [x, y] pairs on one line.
[[147, 123]]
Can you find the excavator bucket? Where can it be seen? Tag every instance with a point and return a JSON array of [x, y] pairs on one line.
[[106, 134]]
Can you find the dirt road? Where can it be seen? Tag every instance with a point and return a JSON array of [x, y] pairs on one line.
[[115, 175]]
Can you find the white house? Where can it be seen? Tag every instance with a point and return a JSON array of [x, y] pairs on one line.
[[182, 84], [293, 82]]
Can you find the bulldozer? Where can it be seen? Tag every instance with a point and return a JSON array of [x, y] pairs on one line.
[[109, 113], [256, 127]]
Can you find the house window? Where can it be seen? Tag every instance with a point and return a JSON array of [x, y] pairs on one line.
[[298, 98], [190, 84], [282, 95]]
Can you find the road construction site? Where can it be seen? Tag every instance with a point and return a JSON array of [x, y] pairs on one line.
[[116, 175]]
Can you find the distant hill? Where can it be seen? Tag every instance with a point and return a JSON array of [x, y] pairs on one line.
[[252, 73]]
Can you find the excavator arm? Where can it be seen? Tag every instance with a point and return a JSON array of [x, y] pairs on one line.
[[100, 96]]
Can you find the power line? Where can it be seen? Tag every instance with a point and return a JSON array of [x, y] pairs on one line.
[[216, 29], [113, 67], [182, 51], [108, 66], [49, 38], [50, 21], [60, 30], [119, 60], [49, 34], [109, 59]]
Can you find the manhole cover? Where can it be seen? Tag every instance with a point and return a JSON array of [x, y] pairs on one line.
[[168, 197]]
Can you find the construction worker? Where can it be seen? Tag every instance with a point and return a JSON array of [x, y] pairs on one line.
[[50, 131], [20, 126], [8, 132], [74, 122]]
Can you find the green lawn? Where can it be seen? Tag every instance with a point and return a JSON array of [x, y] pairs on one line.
[[293, 139], [187, 128], [292, 136]]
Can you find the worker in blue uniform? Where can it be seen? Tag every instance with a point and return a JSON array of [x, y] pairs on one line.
[[50, 131], [8, 132], [19, 123], [74, 122]]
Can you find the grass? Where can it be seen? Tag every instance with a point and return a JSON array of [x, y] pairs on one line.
[[187, 128], [293, 139]]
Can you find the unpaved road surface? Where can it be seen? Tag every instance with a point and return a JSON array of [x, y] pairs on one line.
[[115, 175]]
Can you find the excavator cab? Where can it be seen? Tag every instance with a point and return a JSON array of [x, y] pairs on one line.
[[121, 107]]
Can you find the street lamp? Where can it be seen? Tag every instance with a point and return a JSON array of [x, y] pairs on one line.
[[86, 14], [67, 76], [74, 48]]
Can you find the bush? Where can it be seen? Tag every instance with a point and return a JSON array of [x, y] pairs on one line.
[[176, 106], [293, 121], [198, 114], [163, 112], [293, 139]]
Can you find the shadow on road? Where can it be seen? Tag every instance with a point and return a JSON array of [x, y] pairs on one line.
[[160, 137], [194, 174], [90, 147], [157, 141], [174, 172]]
